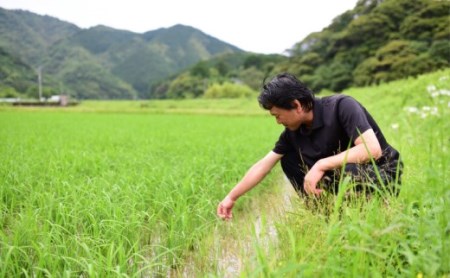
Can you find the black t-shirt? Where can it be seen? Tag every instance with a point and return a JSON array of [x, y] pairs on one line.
[[337, 121]]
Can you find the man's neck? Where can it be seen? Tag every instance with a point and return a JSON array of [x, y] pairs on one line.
[[308, 119]]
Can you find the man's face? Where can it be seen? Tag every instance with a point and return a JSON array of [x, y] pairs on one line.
[[289, 118]]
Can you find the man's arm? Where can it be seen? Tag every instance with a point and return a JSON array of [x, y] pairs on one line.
[[253, 176], [366, 147]]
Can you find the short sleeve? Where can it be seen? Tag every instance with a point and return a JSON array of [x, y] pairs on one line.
[[352, 117], [283, 145]]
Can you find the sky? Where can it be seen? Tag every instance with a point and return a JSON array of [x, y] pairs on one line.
[[257, 26]]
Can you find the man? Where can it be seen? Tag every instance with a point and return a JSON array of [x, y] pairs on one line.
[[321, 137]]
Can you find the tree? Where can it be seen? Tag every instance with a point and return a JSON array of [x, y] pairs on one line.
[[440, 51], [228, 90], [252, 77], [335, 76], [8, 92], [363, 74], [186, 86], [200, 69]]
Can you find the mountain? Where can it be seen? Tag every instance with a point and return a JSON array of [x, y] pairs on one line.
[[102, 62], [28, 35]]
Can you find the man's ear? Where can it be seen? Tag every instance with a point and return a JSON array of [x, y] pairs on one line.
[[297, 105]]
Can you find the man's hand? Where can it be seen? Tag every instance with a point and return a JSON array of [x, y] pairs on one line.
[[224, 208], [312, 178]]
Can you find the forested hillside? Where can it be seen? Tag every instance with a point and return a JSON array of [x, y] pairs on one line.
[[377, 41], [28, 36], [14, 74]]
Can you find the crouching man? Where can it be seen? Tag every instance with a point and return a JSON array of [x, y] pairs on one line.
[[321, 136]]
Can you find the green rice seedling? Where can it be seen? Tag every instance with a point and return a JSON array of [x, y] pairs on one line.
[[108, 194]]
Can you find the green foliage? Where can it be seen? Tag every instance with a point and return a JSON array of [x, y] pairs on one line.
[[429, 23], [415, 27], [245, 68], [228, 90], [253, 60], [440, 51], [336, 77], [398, 10], [400, 58], [8, 92], [340, 22], [252, 77], [200, 70], [304, 64], [377, 41], [16, 77], [371, 29], [186, 86], [363, 74], [264, 63]]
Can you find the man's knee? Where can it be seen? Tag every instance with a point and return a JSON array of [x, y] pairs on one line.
[[367, 177]]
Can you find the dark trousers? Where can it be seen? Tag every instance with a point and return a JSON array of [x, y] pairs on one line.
[[384, 175]]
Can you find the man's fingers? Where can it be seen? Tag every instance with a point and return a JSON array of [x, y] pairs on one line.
[[221, 210], [224, 213], [225, 216], [310, 189], [317, 192]]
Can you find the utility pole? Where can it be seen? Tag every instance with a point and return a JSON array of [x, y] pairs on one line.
[[40, 82]]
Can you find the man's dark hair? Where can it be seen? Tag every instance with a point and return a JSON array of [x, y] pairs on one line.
[[282, 90]]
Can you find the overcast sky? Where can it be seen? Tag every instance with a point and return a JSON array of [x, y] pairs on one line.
[[258, 26]]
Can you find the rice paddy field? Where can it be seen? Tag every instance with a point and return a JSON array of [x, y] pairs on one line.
[[130, 189]]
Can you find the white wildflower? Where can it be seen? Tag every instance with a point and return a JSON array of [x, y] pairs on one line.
[[444, 92], [434, 110], [412, 109], [423, 115], [395, 126], [431, 88], [443, 78], [434, 94], [426, 108]]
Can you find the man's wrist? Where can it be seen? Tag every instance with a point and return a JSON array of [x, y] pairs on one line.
[[323, 165], [229, 197]]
